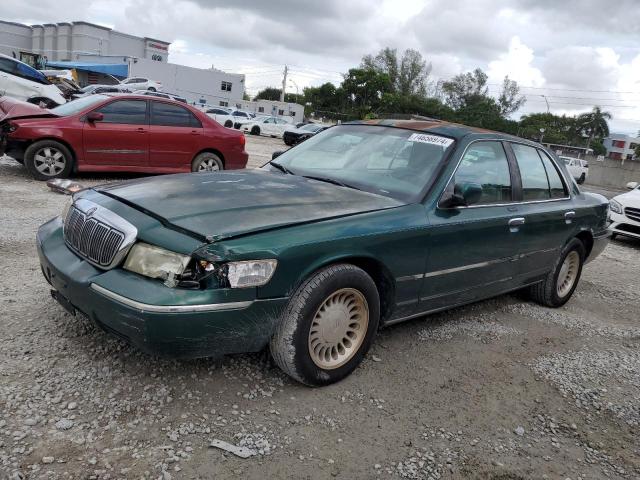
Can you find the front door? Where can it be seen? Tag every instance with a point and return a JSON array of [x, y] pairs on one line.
[[121, 138], [175, 134], [546, 208], [473, 249]]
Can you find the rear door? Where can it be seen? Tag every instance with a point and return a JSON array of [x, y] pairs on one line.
[[121, 138], [546, 208], [175, 135]]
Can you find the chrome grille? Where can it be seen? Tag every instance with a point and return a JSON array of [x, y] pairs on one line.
[[92, 239], [632, 213]]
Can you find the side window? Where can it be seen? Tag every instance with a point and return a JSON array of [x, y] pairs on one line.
[[486, 164], [29, 73], [131, 112], [8, 66], [171, 115], [555, 182], [535, 185]]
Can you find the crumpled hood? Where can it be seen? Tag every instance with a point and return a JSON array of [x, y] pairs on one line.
[[11, 108], [226, 204]]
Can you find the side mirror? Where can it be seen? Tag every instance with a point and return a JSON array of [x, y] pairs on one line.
[[632, 185], [95, 117], [275, 155], [463, 194]]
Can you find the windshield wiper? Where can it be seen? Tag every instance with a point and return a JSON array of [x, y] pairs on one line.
[[281, 167], [331, 180]]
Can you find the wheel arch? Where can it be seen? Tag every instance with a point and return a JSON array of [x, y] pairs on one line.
[[61, 141], [377, 270], [586, 237], [209, 150]]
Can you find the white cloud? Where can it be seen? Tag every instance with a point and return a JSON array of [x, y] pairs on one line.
[[516, 63]]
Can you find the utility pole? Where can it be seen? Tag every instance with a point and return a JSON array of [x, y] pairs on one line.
[[284, 84]]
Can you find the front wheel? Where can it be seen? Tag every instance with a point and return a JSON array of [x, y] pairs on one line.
[[207, 162], [48, 159], [558, 286], [328, 326], [255, 131], [582, 179], [228, 124]]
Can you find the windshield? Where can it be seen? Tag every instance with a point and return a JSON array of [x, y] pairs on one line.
[[310, 127], [388, 161], [76, 106]]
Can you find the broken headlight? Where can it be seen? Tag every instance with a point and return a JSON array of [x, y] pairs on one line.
[[156, 262], [252, 273]]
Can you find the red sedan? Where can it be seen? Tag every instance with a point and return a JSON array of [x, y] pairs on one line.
[[117, 133]]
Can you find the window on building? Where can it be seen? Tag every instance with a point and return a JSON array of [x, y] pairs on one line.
[[130, 112], [618, 143], [485, 164], [280, 112], [260, 109], [225, 86], [223, 104], [169, 115], [293, 114]]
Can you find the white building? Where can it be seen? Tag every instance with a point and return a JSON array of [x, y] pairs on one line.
[[95, 51], [620, 146]]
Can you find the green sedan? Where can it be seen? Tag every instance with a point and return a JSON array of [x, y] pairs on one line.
[[362, 226]]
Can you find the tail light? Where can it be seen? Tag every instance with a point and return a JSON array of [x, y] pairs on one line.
[[243, 141]]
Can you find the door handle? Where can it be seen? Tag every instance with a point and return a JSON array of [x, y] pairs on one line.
[[569, 216], [195, 132], [141, 130], [515, 223]]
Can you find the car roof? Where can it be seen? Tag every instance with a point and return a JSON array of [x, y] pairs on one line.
[[440, 127], [138, 96]]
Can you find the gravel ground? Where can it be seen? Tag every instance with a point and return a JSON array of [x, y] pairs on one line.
[[501, 389]]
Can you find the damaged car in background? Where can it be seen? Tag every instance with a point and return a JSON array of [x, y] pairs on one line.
[[117, 133], [361, 226]]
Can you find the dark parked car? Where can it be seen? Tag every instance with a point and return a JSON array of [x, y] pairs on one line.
[[117, 133], [362, 226], [302, 133]]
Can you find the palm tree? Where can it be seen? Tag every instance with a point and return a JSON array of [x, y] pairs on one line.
[[594, 124]]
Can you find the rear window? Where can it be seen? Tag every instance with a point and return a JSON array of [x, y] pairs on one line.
[[169, 115]]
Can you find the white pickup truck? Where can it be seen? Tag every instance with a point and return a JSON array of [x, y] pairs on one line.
[[579, 169]]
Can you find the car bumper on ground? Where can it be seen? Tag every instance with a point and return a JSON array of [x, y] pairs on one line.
[[623, 224], [156, 319]]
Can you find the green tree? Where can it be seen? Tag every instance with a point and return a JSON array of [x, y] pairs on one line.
[[408, 75], [465, 86], [273, 93], [594, 124], [598, 147], [364, 89], [510, 99]]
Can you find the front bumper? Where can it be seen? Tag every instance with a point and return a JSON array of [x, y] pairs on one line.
[[156, 319], [623, 225]]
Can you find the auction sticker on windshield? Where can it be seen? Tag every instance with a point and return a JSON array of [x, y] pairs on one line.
[[432, 139]]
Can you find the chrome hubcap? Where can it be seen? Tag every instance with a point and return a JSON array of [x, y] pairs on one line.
[[208, 165], [568, 273], [49, 161], [338, 328]]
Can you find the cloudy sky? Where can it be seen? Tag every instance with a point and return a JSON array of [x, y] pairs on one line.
[[574, 53]]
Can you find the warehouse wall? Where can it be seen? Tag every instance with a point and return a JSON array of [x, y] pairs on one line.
[[613, 173]]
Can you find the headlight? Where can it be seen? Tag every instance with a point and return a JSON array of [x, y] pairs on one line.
[[156, 262], [615, 207], [253, 273]]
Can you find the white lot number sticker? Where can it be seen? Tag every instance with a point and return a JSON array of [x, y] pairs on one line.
[[432, 139]]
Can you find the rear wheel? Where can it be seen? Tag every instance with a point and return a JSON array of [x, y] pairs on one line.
[[228, 124], [48, 159], [558, 286], [207, 162], [328, 325], [255, 130]]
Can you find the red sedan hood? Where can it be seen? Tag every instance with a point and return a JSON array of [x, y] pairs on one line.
[[11, 108]]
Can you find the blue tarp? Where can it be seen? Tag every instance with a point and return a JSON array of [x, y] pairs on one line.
[[115, 69]]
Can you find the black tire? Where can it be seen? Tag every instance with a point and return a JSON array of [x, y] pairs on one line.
[[290, 344], [581, 179], [228, 124], [50, 167], [613, 236], [255, 130], [546, 292], [151, 89], [207, 162]]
